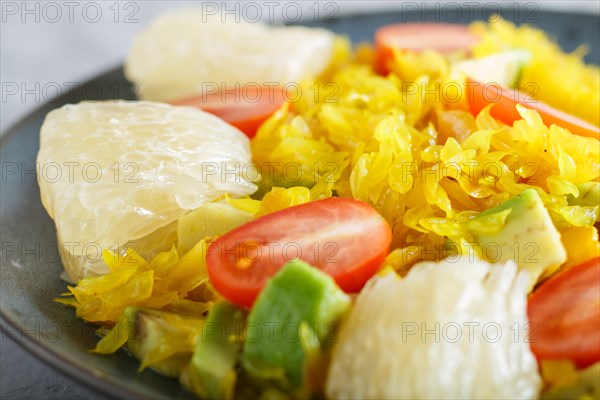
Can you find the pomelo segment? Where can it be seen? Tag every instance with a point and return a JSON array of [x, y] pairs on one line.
[[116, 173], [184, 53], [450, 330]]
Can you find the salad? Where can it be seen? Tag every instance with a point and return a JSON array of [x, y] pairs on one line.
[[289, 216]]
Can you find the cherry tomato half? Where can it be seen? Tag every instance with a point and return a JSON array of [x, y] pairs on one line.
[[246, 108], [565, 315], [343, 237], [445, 38], [504, 100]]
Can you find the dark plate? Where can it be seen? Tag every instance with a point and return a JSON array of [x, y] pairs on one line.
[[30, 266]]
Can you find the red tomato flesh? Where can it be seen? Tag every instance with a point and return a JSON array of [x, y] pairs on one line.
[[345, 238], [246, 108], [504, 100], [565, 316], [445, 38]]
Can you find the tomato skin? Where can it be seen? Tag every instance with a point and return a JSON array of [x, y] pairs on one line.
[[343, 237], [445, 38], [246, 108], [565, 315], [504, 100]]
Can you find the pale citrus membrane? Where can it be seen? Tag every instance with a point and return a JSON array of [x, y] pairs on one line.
[[469, 340], [186, 52], [128, 171]]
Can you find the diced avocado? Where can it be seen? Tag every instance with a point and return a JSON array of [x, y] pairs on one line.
[[298, 300], [161, 340], [502, 68], [589, 195], [211, 219], [212, 372], [528, 237]]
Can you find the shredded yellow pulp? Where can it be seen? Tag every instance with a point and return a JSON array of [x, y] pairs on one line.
[[165, 282]]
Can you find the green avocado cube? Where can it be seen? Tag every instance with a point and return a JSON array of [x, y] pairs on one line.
[[298, 307], [212, 373], [528, 237]]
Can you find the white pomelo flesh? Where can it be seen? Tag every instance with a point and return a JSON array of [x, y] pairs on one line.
[[184, 53], [128, 171], [455, 329]]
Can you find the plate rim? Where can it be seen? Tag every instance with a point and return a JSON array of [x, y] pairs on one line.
[[52, 358]]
